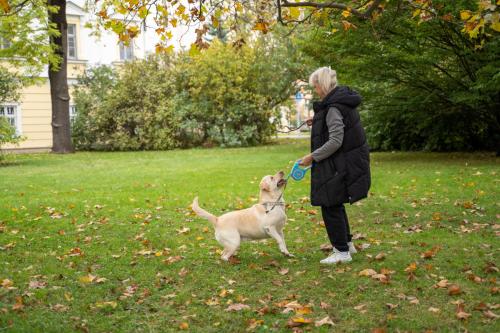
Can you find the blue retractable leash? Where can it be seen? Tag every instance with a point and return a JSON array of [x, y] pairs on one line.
[[297, 173]]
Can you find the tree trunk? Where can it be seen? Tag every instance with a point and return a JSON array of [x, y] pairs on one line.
[[58, 77]]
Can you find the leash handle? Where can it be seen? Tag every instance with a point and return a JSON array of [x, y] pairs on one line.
[[303, 168]]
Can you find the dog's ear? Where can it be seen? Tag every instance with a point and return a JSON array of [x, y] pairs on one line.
[[264, 186]]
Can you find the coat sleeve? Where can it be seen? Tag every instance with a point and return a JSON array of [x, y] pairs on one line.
[[335, 124]]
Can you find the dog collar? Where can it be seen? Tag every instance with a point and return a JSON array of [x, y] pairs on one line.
[[274, 203]]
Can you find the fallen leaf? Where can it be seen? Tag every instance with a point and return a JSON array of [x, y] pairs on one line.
[[462, 315], [411, 268], [7, 284], [19, 305], [88, 278], [184, 326], [367, 272], [298, 321], [327, 247], [111, 304], [380, 256], [434, 310], [324, 321], [441, 284], [59, 308], [490, 314], [391, 306], [237, 307], [183, 230], [454, 289], [254, 323], [283, 271], [183, 272], [37, 284], [324, 305]]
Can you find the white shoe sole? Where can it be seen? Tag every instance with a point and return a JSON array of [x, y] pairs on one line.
[[335, 262]]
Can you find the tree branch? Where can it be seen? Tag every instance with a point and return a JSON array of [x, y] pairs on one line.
[[363, 15]]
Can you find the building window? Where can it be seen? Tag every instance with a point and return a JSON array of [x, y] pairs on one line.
[[126, 51], [4, 43], [72, 113], [72, 41], [11, 113]]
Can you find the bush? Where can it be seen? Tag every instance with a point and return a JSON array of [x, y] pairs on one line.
[[7, 135], [129, 111], [222, 96]]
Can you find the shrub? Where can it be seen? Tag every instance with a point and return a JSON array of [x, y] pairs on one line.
[[222, 96], [7, 135]]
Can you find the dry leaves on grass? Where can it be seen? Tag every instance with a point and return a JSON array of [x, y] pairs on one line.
[[383, 276], [237, 307]]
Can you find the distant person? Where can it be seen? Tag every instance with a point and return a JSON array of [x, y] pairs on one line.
[[340, 159]]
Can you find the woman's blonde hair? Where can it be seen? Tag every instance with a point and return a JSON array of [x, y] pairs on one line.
[[325, 78]]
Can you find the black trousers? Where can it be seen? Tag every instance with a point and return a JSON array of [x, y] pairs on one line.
[[337, 226]]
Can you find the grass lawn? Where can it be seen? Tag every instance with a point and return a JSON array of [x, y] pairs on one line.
[[102, 242]]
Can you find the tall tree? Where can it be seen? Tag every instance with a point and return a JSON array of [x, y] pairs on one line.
[[35, 33], [58, 77]]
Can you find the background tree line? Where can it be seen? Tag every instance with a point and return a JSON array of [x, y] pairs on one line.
[[226, 96]]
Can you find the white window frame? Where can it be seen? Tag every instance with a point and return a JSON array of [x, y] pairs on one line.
[[123, 47], [72, 113], [74, 41], [4, 43], [17, 116]]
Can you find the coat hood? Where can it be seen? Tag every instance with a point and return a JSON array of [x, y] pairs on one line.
[[341, 95]]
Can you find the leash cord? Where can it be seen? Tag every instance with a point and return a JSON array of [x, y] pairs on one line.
[[292, 129]]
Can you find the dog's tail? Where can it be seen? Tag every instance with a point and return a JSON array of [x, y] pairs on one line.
[[203, 213]]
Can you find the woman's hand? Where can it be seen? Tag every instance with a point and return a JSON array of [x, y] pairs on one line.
[[306, 160]]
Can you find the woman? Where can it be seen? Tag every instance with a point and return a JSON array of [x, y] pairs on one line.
[[340, 159]]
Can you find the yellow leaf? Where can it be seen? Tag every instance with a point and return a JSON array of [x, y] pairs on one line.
[[4, 4], [215, 21], [143, 12], [169, 49], [301, 320], [238, 6], [88, 278], [111, 304], [346, 13], [180, 10], [495, 26], [416, 13], [294, 12], [260, 26], [334, 30], [465, 15]]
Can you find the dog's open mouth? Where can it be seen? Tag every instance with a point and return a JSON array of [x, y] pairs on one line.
[[281, 182]]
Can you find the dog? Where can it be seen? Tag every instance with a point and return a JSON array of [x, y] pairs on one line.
[[265, 219]]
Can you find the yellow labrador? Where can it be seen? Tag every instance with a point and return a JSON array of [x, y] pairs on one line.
[[263, 220]]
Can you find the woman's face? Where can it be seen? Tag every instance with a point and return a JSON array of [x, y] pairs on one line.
[[318, 90]]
